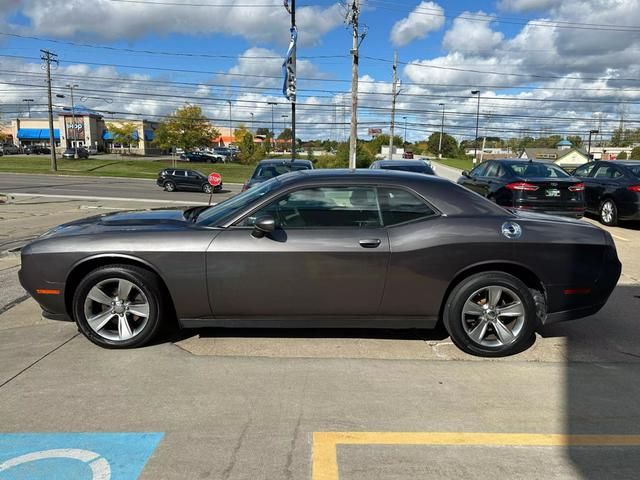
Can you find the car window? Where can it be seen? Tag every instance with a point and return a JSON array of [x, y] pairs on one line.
[[270, 171], [607, 171], [328, 207], [584, 170], [193, 175], [538, 170], [398, 206], [492, 170], [635, 170], [479, 170]]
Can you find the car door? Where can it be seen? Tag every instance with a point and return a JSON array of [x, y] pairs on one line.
[[474, 180], [180, 177], [585, 173], [605, 182], [328, 256], [194, 181]]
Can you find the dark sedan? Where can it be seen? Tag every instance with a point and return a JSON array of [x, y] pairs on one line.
[[172, 179], [527, 185], [612, 189], [72, 152], [36, 150], [415, 166], [326, 248], [268, 169]]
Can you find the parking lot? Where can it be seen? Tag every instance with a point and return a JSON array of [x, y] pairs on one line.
[[326, 405]]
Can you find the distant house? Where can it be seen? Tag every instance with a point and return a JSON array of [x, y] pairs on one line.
[[564, 155]]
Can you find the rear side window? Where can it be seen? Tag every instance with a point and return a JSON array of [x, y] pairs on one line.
[[400, 206], [584, 170], [607, 171]]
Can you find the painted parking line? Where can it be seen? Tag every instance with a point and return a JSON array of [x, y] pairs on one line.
[[325, 458], [116, 199], [90, 456]]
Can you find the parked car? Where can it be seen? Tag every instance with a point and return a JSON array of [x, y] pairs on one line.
[[612, 189], [172, 179], [326, 247], [268, 169], [527, 185], [204, 157], [36, 150], [407, 155], [71, 152], [9, 149], [229, 153], [416, 166]]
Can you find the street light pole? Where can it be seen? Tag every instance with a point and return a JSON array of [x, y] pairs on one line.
[[591, 132], [441, 132], [273, 130], [284, 124], [71, 86], [475, 143], [28, 102], [251, 113]]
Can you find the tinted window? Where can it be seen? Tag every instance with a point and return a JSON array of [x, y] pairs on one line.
[[584, 170], [607, 171], [492, 170], [327, 207], [635, 170], [479, 170], [270, 171], [399, 206], [538, 170], [193, 175]]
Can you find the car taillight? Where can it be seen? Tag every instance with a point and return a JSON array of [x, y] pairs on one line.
[[578, 187], [523, 186], [634, 188]]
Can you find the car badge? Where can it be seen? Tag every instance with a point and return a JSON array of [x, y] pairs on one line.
[[554, 184], [511, 230]]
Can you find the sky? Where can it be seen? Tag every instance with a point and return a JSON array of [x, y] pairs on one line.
[[542, 66]]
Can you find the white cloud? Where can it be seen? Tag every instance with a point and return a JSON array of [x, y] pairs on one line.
[[117, 21], [425, 18], [527, 5], [471, 36]]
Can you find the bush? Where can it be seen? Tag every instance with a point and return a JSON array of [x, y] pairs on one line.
[[635, 154], [622, 156]]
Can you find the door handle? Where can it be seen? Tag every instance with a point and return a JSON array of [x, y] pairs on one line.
[[370, 243]]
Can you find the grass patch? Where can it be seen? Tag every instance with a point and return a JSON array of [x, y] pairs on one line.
[[461, 163], [231, 173]]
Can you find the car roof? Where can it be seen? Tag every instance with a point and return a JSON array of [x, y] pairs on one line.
[[280, 161], [626, 163], [401, 162], [360, 175]]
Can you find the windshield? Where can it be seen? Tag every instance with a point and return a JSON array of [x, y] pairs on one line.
[[409, 168], [537, 170], [212, 216], [271, 171]]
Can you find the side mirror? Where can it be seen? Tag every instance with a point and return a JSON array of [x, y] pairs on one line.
[[465, 173], [263, 226]]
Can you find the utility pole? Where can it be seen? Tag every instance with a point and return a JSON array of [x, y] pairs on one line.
[[355, 46], [394, 96], [74, 128], [251, 113], [273, 131], [230, 123], [441, 132], [28, 102], [475, 143], [47, 57], [405, 132]]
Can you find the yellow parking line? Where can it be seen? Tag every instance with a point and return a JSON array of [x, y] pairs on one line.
[[620, 238], [325, 461]]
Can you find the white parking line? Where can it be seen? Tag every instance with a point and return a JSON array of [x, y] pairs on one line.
[[620, 238], [117, 199]]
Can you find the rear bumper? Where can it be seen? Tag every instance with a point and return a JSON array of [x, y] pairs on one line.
[[574, 212]]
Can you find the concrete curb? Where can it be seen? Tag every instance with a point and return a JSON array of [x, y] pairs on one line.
[[95, 176]]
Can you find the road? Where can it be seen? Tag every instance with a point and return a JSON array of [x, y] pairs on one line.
[[100, 188]]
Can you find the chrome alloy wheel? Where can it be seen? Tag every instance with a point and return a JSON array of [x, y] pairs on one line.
[[493, 316], [116, 309], [607, 212]]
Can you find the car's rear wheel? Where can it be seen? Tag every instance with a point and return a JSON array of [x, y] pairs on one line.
[[170, 186], [207, 188], [491, 314], [609, 212], [119, 306]]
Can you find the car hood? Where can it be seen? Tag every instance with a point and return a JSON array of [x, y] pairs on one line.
[[161, 219]]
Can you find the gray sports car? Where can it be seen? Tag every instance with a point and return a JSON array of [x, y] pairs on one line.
[[326, 248]]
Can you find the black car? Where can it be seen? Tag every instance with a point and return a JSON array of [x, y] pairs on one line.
[[172, 179], [268, 169], [416, 166], [204, 157], [71, 152], [612, 189], [36, 149], [527, 185], [326, 248]]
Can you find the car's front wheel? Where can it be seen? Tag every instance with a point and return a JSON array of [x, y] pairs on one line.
[[119, 306], [609, 213], [491, 314], [207, 188]]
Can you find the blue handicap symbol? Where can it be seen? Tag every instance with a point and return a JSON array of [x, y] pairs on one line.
[[78, 456]]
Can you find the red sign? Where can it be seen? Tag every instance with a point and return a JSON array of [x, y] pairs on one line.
[[215, 179]]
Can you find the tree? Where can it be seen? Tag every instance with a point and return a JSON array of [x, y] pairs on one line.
[[576, 140], [449, 145], [375, 146], [285, 134], [635, 154], [124, 134], [264, 132], [363, 156], [186, 128], [244, 141], [622, 156]]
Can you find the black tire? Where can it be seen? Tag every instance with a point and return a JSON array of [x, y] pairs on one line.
[[170, 186], [464, 291], [207, 188], [145, 281], [608, 213]]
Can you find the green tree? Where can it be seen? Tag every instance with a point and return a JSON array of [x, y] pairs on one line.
[[363, 156], [262, 131], [375, 146], [622, 156], [186, 128], [285, 134], [244, 141], [124, 134], [449, 145], [576, 140], [635, 154]]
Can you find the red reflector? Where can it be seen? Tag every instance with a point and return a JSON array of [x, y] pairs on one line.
[[523, 186], [44, 291], [634, 188], [579, 187], [577, 291]]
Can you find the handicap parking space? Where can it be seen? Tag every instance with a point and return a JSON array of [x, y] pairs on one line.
[[78, 456]]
